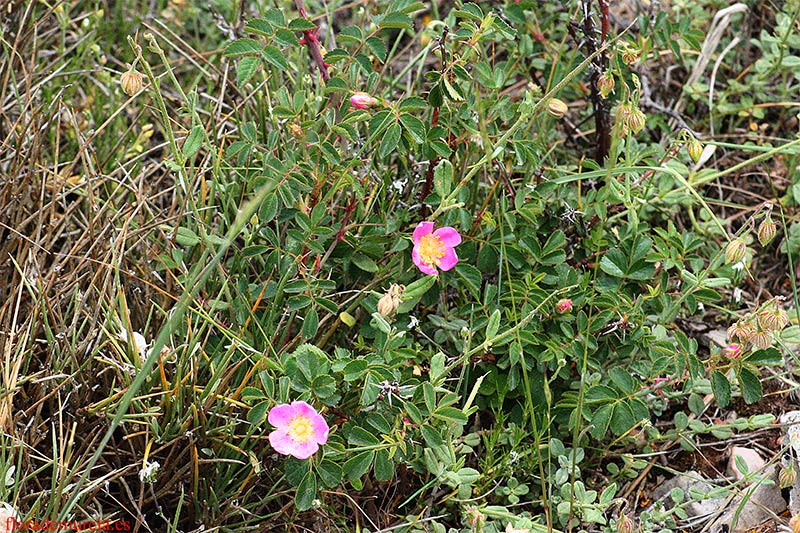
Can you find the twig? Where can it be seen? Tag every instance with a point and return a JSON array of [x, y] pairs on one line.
[[602, 115], [311, 40]]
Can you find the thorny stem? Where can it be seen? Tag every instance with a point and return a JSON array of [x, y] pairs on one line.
[[602, 118], [311, 40]]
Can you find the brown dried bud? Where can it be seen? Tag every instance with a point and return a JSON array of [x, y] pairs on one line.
[[605, 83], [557, 108], [624, 524], [794, 524], [741, 332], [296, 130], [786, 477], [735, 251], [636, 120], [389, 302], [773, 318], [131, 81], [762, 340], [767, 231], [695, 149]]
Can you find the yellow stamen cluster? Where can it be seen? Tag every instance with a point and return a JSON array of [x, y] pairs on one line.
[[431, 250], [300, 429]]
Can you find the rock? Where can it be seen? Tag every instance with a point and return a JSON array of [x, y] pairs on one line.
[[752, 460]]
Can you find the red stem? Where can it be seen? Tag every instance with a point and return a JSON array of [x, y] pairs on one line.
[[312, 42]]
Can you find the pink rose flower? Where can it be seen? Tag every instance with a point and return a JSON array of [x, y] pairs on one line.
[[300, 429], [434, 249], [363, 100]]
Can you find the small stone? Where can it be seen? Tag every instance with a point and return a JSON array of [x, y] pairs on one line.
[[751, 458]]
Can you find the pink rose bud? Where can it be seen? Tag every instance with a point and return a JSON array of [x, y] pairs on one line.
[[564, 306], [363, 101], [732, 351]]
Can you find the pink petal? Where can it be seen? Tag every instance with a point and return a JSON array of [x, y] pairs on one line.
[[321, 429], [281, 442], [304, 451], [449, 236], [423, 228], [449, 260], [301, 408], [426, 269], [281, 415]]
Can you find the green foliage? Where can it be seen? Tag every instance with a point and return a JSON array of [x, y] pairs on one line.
[[278, 262]]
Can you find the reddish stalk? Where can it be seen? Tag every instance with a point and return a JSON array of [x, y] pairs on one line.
[[311, 40]]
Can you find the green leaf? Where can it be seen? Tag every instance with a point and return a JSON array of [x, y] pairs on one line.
[[384, 466], [398, 21], [274, 56], [361, 437], [750, 385], [770, 356], [306, 492], [414, 127], [451, 414], [623, 419], [301, 24], [601, 420], [357, 466], [242, 47], [330, 473], [390, 139], [614, 263], [246, 69], [365, 263], [310, 324], [443, 178], [193, 141], [378, 47], [721, 388], [186, 237], [622, 379], [471, 277], [493, 325], [258, 413]]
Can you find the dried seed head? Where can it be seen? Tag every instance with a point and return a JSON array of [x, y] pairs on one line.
[[296, 130], [606, 84], [772, 318], [767, 231], [787, 477], [741, 332], [557, 108], [624, 524], [695, 149], [636, 120], [735, 251], [390, 301], [131, 81], [762, 340], [794, 524]]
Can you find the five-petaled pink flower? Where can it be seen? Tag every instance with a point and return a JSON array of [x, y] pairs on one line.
[[434, 249], [300, 429], [363, 100]]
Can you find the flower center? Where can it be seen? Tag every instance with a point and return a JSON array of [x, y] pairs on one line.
[[300, 429], [431, 249]]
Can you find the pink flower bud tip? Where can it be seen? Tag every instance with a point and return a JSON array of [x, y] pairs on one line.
[[564, 306], [363, 100]]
